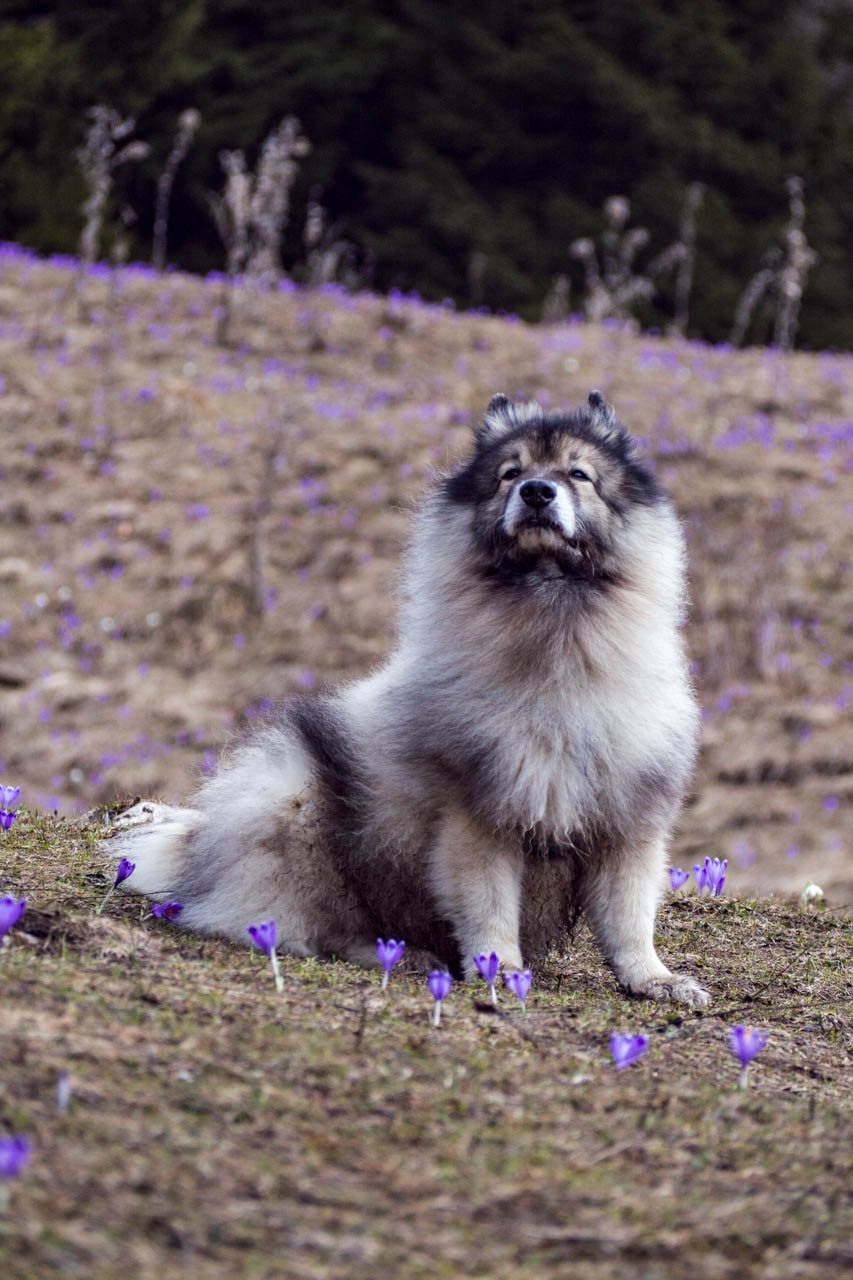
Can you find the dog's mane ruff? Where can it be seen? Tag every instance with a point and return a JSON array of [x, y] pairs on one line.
[[441, 584]]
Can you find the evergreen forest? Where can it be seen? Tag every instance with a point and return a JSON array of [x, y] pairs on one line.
[[460, 149]]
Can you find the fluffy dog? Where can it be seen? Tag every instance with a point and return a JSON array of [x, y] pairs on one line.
[[519, 758]]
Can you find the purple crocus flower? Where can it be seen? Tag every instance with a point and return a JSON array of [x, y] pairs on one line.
[[389, 953], [715, 875], [14, 1154], [712, 876], [746, 1043], [8, 796], [124, 869], [167, 910], [6, 819], [627, 1049], [10, 913], [487, 967], [678, 878], [263, 936], [439, 983], [519, 985]]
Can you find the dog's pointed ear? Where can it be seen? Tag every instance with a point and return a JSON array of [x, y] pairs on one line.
[[598, 404], [497, 420], [603, 417]]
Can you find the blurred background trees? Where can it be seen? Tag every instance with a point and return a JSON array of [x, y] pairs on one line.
[[461, 148]]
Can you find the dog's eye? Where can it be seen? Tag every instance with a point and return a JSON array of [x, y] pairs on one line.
[[511, 473], [577, 474]]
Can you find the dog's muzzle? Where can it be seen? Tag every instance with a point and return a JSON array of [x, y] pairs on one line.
[[540, 508]]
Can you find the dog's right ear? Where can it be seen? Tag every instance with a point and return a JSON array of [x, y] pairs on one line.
[[497, 420]]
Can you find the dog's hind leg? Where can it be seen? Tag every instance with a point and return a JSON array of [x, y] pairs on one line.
[[621, 897], [476, 880]]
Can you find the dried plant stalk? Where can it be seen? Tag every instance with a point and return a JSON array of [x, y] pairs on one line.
[[188, 123], [781, 278], [231, 217], [687, 258], [270, 198], [555, 308], [98, 157], [251, 214]]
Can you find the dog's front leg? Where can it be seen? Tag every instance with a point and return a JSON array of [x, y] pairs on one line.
[[476, 880], [620, 900]]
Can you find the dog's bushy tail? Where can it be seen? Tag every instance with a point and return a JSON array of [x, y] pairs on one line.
[[153, 837], [248, 850]]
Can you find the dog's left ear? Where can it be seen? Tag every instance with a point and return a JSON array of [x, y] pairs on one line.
[[497, 420], [604, 418]]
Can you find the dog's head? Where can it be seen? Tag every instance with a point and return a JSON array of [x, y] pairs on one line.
[[550, 490]]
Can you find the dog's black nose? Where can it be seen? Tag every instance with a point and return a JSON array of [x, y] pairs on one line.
[[537, 493]]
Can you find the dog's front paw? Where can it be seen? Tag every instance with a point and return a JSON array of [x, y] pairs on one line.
[[676, 987]]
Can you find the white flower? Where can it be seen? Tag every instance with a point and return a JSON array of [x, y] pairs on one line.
[[811, 893]]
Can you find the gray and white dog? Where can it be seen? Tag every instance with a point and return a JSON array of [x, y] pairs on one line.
[[519, 758]]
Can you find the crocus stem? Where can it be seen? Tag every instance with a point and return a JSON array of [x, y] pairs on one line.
[[385, 980], [742, 1080], [276, 972], [105, 901], [492, 994], [436, 1013]]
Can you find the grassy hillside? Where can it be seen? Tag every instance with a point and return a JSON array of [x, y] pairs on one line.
[[188, 530], [217, 1129]]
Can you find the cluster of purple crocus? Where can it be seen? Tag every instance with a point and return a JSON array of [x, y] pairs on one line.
[[440, 981], [745, 1043], [390, 953], [8, 796], [711, 876], [162, 910], [518, 983], [626, 1049]]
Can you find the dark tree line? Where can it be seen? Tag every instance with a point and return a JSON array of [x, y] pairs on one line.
[[440, 131]]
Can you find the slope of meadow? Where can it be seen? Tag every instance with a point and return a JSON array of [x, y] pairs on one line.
[[218, 1129], [189, 530]]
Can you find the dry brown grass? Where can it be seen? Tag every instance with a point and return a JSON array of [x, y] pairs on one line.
[[328, 416], [216, 1129]]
